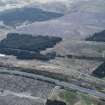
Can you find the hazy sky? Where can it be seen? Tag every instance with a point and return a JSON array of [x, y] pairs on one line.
[[41, 1], [6, 4], [45, 1]]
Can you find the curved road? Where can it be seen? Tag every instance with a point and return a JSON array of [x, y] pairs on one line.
[[65, 85]]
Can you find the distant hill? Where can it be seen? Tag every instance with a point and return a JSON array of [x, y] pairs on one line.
[[17, 16], [100, 37]]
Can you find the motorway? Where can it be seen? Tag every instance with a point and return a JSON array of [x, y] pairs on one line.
[[63, 84]]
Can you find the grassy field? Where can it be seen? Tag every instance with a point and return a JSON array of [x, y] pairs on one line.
[[77, 98]]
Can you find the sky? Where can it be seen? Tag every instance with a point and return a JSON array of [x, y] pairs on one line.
[[9, 4], [46, 1], [43, 1], [6, 4]]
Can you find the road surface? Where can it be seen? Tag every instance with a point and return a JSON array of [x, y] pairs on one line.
[[63, 84]]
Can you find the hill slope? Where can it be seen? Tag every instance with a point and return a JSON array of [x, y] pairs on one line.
[[17, 16], [78, 23]]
